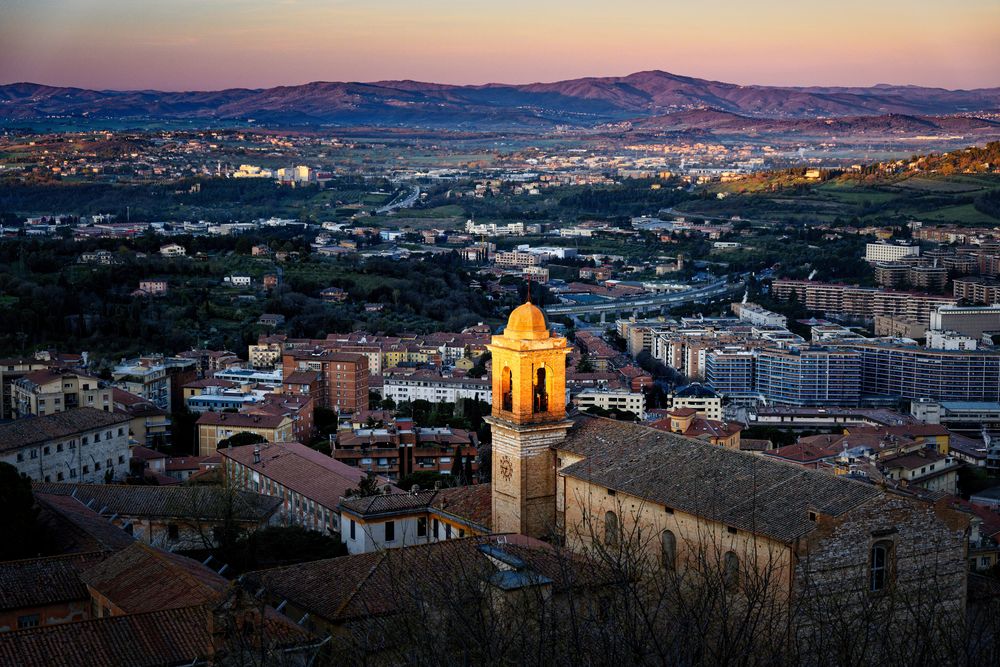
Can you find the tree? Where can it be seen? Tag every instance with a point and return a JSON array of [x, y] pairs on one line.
[[584, 365], [368, 486], [18, 519], [240, 439]]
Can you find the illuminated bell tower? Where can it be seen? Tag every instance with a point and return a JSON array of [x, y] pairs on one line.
[[529, 415]]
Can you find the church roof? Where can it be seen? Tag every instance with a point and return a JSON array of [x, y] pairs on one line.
[[527, 322], [738, 489]]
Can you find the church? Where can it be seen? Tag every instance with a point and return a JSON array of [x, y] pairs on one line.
[[596, 484]]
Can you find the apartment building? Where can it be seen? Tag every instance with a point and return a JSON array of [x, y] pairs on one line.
[[309, 484], [401, 448], [977, 290], [861, 302], [430, 386], [809, 376], [52, 390], [889, 252], [613, 400], [214, 427], [79, 445], [343, 376], [914, 372]]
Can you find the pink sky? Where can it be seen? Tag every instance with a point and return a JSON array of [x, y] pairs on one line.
[[189, 44]]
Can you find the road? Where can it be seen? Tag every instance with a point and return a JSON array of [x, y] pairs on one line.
[[706, 293], [406, 202]]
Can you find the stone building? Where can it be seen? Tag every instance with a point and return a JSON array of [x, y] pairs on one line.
[[596, 484]]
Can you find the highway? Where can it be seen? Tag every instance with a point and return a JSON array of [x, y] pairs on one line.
[[649, 302], [406, 202]]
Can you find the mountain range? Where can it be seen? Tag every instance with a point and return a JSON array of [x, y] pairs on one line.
[[642, 97]]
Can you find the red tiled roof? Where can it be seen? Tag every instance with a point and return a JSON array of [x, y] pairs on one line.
[[76, 527], [42, 581], [143, 578], [239, 420], [301, 377], [167, 637], [146, 454], [301, 469], [473, 503]]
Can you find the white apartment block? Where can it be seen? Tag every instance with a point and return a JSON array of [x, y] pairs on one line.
[[613, 399], [436, 389], [889, 252]]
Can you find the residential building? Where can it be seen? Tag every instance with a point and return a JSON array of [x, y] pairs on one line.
[[79, 445], [612, 400], [392, 521], [10, 370], [912, 372], [731, 373], [889, 252], [54, 390], [430, 386], [149, 426], [755, 314], [176, 518], [809, 376], [706, 402], [172, 250], [687, 422], [214, 427], [400, 448], [145, 377], [309, 485], [344, 376], [977, 289], [862, 302]]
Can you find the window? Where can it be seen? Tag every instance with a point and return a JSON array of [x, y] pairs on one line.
[[461, 532], [437, 529], [86, 469], [217, 534], [59, 447], [84, 440], [390, 531], [668, 550], [110, 463], [27, 621], [121, 458], [880, 566], [731, 571], [20, 457], [72, 473], [506, 391], [541, 398], [59, 477], [352, 528], [172, 531], [34, 453], [422, 526], [611, 529], [447, 531], [121, 431], [97, 466], [97, 437]]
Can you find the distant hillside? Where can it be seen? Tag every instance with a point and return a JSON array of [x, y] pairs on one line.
[[579, 102], [722, 122]]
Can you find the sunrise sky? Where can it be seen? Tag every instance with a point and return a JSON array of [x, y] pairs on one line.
[[208, 44]]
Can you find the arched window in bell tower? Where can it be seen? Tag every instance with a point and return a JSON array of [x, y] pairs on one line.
[[541, 394], [506, 391]]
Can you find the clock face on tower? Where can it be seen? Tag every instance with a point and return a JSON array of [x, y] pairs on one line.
[[506, 468]]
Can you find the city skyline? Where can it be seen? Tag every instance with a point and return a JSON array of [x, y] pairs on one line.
[[186, 45]]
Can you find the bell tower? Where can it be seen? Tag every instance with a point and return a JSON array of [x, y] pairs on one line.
[[528, 416]]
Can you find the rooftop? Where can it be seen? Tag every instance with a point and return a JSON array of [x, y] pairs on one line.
[[720, 484], [37, 430], [301, 469], [202, 502]]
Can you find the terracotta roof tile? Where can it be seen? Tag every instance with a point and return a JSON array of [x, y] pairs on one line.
[[43, 581], [168, 637], [36, 430], [172, 501]]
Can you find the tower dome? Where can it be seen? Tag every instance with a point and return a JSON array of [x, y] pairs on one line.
[[527, 322]]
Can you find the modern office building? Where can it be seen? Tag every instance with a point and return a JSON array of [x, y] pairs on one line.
[[809, 376], [967, 320], [914, 372], [730, 372]]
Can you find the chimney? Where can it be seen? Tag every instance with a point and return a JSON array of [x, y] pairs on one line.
[[256, 454]]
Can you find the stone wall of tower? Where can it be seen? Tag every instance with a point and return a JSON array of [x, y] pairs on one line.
[[524, 359], [524, 476]]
